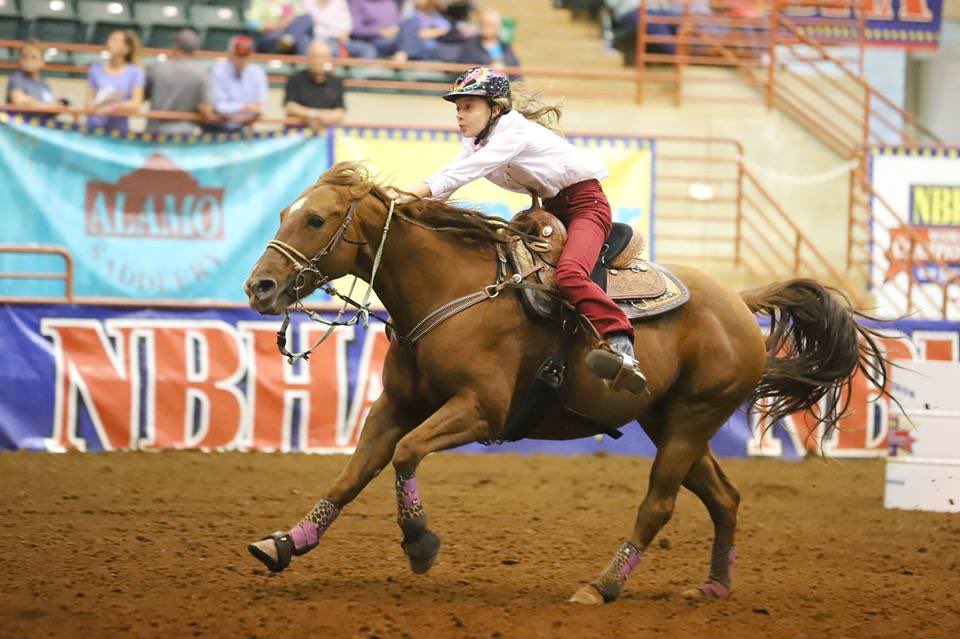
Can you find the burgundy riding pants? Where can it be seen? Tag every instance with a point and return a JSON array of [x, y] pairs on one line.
[[584, 210]]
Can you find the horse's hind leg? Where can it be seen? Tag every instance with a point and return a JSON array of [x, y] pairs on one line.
[[384, 427], [708, 482], [681, 442]]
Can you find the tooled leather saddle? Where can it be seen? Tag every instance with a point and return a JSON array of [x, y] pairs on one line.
[[642, 289]]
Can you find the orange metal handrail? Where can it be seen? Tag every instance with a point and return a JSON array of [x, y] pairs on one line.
[[34, 249]]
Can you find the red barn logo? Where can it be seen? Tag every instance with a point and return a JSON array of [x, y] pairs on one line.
[[159, 201]]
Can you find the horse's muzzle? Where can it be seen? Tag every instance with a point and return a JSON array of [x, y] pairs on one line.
[[262, 293]]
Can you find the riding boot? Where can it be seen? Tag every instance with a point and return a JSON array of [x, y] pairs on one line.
[[619, 368]]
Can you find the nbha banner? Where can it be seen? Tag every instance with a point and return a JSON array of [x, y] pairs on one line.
[[403, 156], [920, 187], [78, 377], [148, 217]]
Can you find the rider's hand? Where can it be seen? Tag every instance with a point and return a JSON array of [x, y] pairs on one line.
[[399, 196]]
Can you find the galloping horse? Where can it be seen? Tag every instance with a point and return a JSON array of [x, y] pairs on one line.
[[458, 382]]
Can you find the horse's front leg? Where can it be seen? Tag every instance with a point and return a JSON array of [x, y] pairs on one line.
[[460, 421], [385, 425]]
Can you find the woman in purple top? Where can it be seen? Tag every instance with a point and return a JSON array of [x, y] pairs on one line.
[[115, 87], [376, 22]]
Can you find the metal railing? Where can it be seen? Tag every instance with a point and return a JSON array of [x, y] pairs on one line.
[[35, 249]]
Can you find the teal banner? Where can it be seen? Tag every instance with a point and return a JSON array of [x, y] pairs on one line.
[[163, 218]]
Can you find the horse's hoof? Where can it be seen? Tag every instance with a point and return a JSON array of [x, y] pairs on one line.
[[709, 590], [587, 595], [273, 551], [422, 551]]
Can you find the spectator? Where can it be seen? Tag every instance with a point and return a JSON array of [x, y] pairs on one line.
[[238, 87], [283, 24], [486, 48], [421, 35], [333, 23], [177, 84], [116, 86], [314, 94], [26, 87], [377, 22], [458, 10]]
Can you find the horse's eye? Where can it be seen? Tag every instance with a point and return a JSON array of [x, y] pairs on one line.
[[315, 221]]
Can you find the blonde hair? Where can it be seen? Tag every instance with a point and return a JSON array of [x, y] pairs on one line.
[[529, 105]]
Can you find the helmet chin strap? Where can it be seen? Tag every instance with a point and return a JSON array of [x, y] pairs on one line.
[[490, 122]]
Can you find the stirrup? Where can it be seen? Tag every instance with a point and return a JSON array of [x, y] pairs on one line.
[[620, 372]]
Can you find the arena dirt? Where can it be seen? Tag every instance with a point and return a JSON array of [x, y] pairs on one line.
[[154, 545]]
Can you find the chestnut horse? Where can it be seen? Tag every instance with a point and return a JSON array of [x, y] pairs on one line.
[[457, 383]]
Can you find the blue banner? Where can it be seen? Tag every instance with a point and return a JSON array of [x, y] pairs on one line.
[[904, 24], [148, 218], [105, 378]]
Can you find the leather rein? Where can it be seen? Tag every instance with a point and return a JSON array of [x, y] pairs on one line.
[[303, 265]]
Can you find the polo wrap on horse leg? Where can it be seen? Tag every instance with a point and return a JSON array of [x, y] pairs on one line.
[[722, 560], [419, 543], [613, 578]]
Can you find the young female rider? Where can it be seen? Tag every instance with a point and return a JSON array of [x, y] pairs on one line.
[[513, 146]]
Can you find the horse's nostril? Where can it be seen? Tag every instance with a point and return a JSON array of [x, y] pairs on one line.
[[263, 288]]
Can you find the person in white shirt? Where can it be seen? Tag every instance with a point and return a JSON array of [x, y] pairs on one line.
[[510, 141]]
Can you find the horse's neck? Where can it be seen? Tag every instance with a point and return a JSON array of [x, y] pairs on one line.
[[421, 269]]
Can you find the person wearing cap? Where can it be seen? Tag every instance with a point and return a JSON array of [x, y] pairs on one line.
[[238, 88], [509, 138], [314, 94], [177, 84]]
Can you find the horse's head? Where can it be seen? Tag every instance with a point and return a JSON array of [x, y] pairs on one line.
[[318, 240]]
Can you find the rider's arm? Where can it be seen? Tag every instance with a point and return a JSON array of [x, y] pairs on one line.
[[468, 167]]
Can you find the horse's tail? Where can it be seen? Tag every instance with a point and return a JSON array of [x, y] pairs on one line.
[[814, 348]]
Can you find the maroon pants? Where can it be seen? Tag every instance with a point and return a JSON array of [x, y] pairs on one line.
[[584, 210]]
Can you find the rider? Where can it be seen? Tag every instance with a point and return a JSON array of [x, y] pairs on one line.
[[510, 141]]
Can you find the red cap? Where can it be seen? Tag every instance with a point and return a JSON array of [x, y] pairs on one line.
[[240, 45]]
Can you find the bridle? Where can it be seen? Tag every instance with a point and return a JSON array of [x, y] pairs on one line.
[[303, 265]]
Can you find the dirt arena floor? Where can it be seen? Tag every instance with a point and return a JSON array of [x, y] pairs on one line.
[[154, 545]]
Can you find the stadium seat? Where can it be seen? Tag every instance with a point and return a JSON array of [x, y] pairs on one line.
[[100, 17], [51, 20], [11, 24], [217, 23], [160, 21]]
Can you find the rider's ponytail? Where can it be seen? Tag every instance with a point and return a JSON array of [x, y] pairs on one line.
[[530, 107]]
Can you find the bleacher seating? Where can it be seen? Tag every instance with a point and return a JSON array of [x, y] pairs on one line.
[[159, 21], [51, 20], [216, 23], [99, 17]]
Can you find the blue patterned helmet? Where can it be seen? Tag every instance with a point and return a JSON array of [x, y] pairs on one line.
[[482, 82]]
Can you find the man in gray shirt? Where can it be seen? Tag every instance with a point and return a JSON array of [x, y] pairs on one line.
[[177, 84]]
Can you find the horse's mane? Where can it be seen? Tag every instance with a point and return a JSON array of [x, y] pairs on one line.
[[467, 224]]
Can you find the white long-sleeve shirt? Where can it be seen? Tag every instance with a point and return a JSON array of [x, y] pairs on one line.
[[518, 155]]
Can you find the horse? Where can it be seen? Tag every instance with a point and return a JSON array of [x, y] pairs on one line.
[[457, 382]]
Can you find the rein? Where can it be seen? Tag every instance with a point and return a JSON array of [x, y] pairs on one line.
[[303, 265]]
